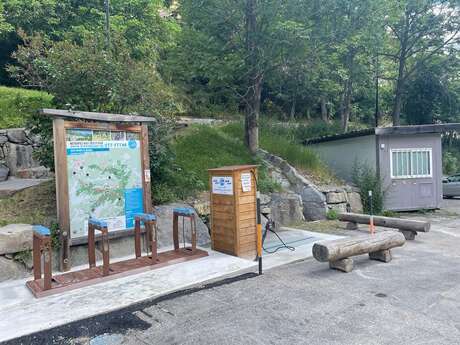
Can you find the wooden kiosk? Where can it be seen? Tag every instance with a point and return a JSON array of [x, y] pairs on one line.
[[233, 210], [103, 183]]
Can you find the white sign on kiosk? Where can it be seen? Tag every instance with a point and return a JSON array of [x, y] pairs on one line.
[[222, 185], [246, 182]]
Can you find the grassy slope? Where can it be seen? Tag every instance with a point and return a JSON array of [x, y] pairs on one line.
[[16, 105], [203, 147], [281, 144], [35, 205]]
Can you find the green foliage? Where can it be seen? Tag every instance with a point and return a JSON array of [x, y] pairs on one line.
[[450, 163], [317, 129], [392, 214], [366, 179], [182, 169], [42, 127], [18, 105], [332, 214], [282, 141], [88, 77]]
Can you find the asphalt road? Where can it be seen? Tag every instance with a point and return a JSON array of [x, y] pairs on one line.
[[415, 299]]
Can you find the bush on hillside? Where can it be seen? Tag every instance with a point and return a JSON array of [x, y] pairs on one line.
[[18, 105], [366, 179]]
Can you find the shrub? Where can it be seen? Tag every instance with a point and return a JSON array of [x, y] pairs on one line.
[[317, 129], [332, 214], [450, 163], [366, 179], [18, 105]]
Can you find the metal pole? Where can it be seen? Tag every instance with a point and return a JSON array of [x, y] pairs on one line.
[[259, 235], [376, 91], [371, 219]]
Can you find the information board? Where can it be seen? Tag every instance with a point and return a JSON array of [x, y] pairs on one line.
[[104, 172]]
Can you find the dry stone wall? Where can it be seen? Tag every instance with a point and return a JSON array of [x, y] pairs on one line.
[[16, 155], [316, 201]]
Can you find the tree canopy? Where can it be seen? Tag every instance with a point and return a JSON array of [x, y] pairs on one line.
[[335, 61]]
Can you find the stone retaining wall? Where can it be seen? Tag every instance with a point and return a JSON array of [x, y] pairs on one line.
[[16, 155], [316, 200]]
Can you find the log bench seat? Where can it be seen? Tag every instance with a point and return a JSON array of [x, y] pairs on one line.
[[408, 227], [338, 252]]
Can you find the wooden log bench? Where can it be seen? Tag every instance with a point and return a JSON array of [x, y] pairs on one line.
[[338, 252], [408, 227]]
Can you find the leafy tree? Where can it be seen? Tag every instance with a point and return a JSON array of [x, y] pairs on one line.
[[420, 30], [88, 77]]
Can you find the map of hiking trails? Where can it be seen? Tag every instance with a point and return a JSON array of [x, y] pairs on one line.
[[105, 178]]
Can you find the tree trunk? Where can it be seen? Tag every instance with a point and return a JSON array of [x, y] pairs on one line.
[[253, 98], [293, 109], [346, 105], [396, 114], [324, 114], [252, 116]]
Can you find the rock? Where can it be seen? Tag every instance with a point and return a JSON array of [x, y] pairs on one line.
[[15, 238], [17, 136], [266, 210], [165, 227], [10, 269], [336, 198], [278, 177], [340, 208], [33, 173], [314, 204], [264, 199], [4, 172], [354, 199], [286, 209], [20, 157]]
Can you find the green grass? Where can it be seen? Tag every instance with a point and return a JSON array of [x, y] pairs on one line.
[[17, 105], [34, 205], [282, 142], [201, 148]]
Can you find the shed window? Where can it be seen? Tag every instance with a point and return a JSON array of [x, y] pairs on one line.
[[411, 163]]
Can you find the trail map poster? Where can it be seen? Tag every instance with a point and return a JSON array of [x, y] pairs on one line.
[[104, 170]]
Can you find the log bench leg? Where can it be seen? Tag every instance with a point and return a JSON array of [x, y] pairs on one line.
[[352, 226], [344, 265], [381, 255], [409, 235]]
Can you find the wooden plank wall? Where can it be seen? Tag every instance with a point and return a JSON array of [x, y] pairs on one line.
[[246, 217], [233, 217]]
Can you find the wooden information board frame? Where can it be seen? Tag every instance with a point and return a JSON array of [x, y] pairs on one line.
[[63, 120]]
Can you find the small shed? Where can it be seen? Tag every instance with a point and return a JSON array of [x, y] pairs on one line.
[[408, 160]]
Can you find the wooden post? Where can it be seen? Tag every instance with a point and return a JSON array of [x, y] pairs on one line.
[[154, 242], [146, 169], [105, 252], [176, 231], [91, 247], [137, 237], [37, 257], [193, 230], [47, 263], [62, 191]]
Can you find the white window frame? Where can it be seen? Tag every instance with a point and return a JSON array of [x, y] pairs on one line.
[[411, 151]]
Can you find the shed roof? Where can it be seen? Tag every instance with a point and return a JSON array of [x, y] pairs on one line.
[[395, 130], [94, 116]]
